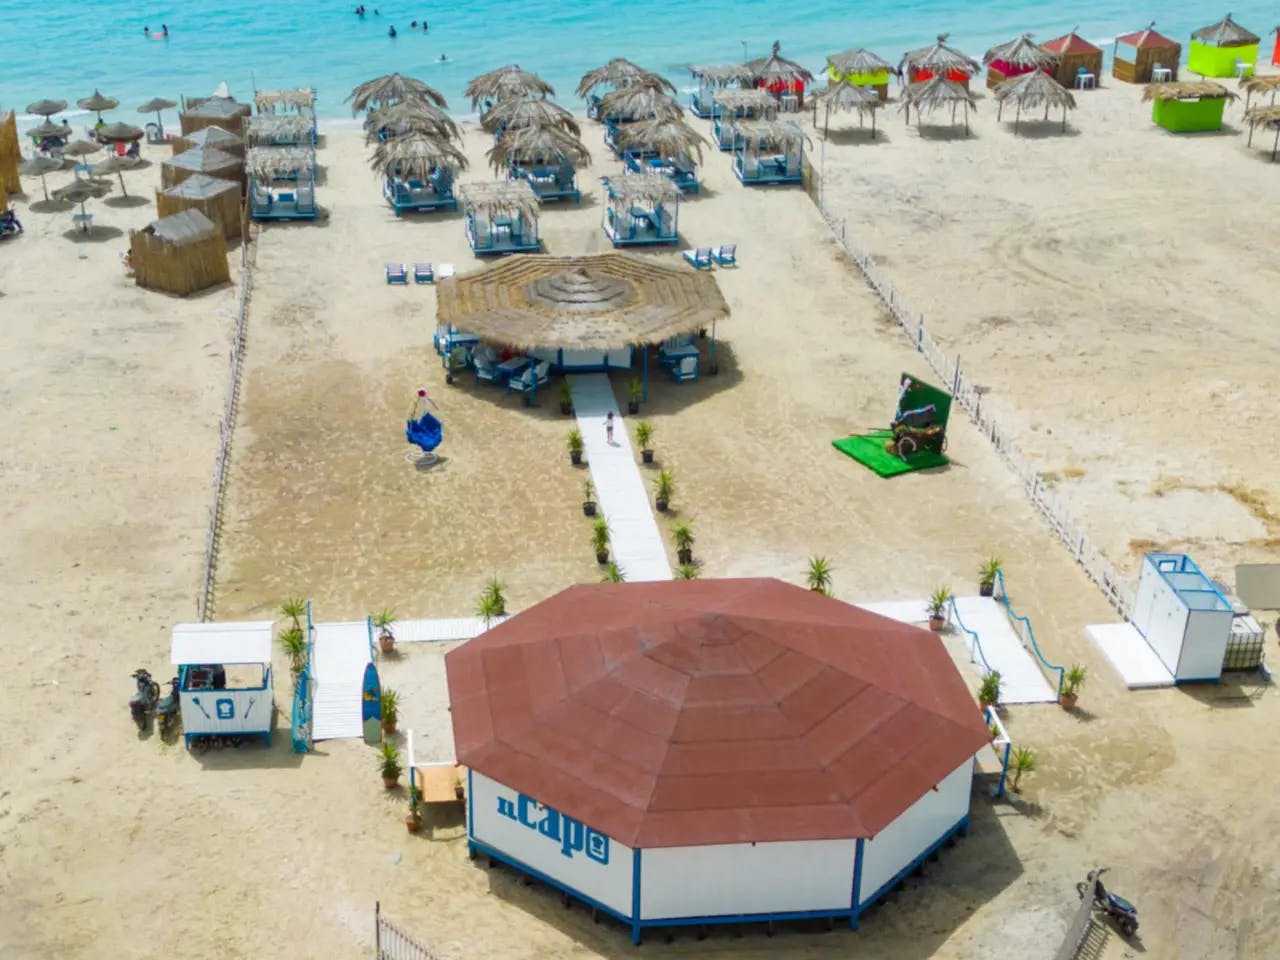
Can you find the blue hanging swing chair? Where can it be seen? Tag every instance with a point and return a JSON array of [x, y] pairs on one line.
[[425, 432]]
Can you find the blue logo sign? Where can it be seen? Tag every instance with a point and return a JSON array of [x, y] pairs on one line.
[[226, 708], [572, 835]]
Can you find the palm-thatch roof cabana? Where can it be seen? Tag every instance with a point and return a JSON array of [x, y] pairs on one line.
[[502, 216], [207, 160], [280, 163], [861, 68], [781, 77], [1144, 51], [712, 77], [1033, 90], [1076, 56], [279, 130], [296, 100], [508, 81], [410, 116], [1217, 48], [618, 73], [294, 167], [221, 112], [217, 199], [638, 103], [731, 106], [181, 253], [1018, 56], [937, 93], [665, 138], [210, 137], [392, 88], [1260, 85], [416, 156], [642, 209], [845, 96], [10, 155], [769, 151], [1267, 118], [547, 157], [922, 65], [528, 111], [1188, 107]]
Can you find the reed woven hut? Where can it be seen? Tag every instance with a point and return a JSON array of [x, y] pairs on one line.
[[217, 199], [780, 76], [861, 68], [935, 94], [214, 137], [1135, 55], [213, 162], [921, 66], [1217, 48], [1015, 58], [1075, 54], [1033, 90], [182, 253], [712, 77], [10, 156], [221, 112], [1188, 107]]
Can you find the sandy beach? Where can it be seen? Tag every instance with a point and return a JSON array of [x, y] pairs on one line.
[[1096, 307]]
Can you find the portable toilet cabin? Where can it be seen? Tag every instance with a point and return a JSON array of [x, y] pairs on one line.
[[1183, 617], [224, 679]]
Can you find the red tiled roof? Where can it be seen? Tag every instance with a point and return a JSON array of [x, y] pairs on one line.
[[712, 711], [1147, 38], [1071, 43]]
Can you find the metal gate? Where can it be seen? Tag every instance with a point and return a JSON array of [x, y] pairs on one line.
[[393, 943]]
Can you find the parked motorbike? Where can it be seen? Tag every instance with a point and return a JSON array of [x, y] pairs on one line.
[[144, 702], [1124, 913], [167, 709], [10, 225]]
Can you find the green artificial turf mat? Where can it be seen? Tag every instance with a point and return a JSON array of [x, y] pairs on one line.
[[868, 449]]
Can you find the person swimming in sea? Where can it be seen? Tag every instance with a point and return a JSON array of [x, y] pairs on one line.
[[164, 30], [392, 32], [443, 58], [413, 25]]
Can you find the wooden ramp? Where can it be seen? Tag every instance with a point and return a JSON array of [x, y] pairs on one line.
[[341, 654]]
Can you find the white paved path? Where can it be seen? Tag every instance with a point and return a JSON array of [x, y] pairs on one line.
[[441, 631], [1130, 654], [620, 490], [341, 654]]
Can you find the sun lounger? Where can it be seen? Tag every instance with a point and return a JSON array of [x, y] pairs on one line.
[[533, 378], [396, 273], [686, 369], [726, 256], [422, 273], [700, 258]]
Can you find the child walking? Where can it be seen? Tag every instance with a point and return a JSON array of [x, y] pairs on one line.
[[608, 427]]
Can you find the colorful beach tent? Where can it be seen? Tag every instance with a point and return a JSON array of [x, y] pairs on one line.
[[1018, 56], [1135, 55], [922, 65], [1075, 53], [1188, 107], [1275, 51], [1216, 48], [860, 68]]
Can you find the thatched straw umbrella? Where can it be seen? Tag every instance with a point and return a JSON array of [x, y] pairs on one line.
[[1032, 90], [1268, 117], [529, 111], [415, 155], [846, 96], [38, 167], [97, 103], [410, 116], [156, 105], [939, 60], [46, 108], [934, 93], [508, 81], [537, 146], [116, 165], [81, 148], [639, 103], [670, 139], [619, 73], [81, 191], [47, 128], [392, 88], [1017, 57], [1259, 85], [780, 76], [118, 133]]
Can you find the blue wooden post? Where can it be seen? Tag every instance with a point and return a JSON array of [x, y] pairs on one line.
[[644, 392], [635, 897], [854, 906]]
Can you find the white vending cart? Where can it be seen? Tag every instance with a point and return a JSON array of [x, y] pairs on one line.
[[224, 674]]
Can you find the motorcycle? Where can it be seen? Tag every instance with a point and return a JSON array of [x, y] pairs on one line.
[[167, 709], [1124, 913], [10, 225], [144, 702]]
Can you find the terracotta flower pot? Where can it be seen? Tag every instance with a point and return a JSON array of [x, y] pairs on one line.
[[388, 729], [390, 782], [1068, 701], [937, 623], [386, 641], [412, 823]]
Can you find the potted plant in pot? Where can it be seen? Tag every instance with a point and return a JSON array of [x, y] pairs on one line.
[[938, 602], [413, 819], [566, 398], [295, 608], [294, 642], [987, 577], [574, 442], [600, 540], [588, 498], [613, 574], [989, 690], [1072, 681], [637, 390], [491, 602], [644, 437], [383, 620], [390, 701], [818, 576], [663, 487], [682, 534], [686, 571], [389, 764]]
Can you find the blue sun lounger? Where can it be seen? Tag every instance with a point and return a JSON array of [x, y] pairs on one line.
[[396, 273], [726, 255], [700, 258], [422, 273]]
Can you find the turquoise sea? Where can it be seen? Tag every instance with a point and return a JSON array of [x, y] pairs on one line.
[[64, 50]]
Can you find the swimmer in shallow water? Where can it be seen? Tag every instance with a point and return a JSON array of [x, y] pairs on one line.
[[164, 31], [443, 58]]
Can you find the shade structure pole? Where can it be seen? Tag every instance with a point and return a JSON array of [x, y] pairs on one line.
[[1017, 117], [644, 364], [1275, 145], [966, 119], [1064, 118], [715, 366], [873, 124], [1249, 141]]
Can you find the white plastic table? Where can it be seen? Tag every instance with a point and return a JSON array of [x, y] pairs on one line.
[[1086, 81], [1160, 74]]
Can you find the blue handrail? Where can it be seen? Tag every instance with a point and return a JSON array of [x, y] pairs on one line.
[[368, 625], [1031, 634], [300, 718], [977, 642]]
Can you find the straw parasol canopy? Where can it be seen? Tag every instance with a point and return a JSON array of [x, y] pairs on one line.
[[1260, 85], [639, 103], [939, 58], [47, 128], [271, 163], [415, 155], [118, 133], [753, 99], [845, 96], [1031, 91], [1022, 52], [38, 167], [81, 191], [300, 98], [603, 302], [1267, 117], [935, 93], [538, 145], [116, 165], [857, 61], [392, 88], [670, 138], [156, 105], [619, 73], [81, 148], [508, 81], [500, 197], [97, 103], [648, 188], [776, 68], [722, 74], [1185, 90], [528, 110], [46, 108], [410, 116], [1226, 33], [269, 128]]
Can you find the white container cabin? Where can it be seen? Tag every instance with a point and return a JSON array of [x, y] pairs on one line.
[[1184, 618], [224, 674]]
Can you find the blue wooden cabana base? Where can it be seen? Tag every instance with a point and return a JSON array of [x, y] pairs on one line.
[[416, 197], [546, 184], [630, 233], [283, 206], [684, 177], [767, 170], [512, 240]]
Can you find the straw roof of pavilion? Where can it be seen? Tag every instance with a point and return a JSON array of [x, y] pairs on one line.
[[719, 74], [843, 95], [1261, 116], [1188, 90], [935, 92], [670, 138], [410, 116], [499, 197], [219, 108], [618, 73], [529, 111], [776, 67], [415, 155], [1226, 33], [216, 137], [639, 102], [538, 144], [1022, 52], [736, 99], [269, 127], [858, 61], [269, 163], [651, 188], [300, 98], [1260, 84], [604, 302], [392, 88], [771, 134], [1033, 90], [940, 58], [508, 81]]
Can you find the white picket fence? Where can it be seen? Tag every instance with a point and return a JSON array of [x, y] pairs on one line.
[[966, 395]]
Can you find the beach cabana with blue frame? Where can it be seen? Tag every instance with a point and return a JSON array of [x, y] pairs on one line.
[[282, 183], [712, 78], [769, 151], [547, 158], [418, 171], [502, 217], [641, 209], [298, 104], [734, 106]]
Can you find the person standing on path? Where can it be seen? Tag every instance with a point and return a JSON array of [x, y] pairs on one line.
[[608, 428]]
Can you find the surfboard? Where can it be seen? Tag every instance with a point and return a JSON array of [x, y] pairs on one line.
[[371, 705]]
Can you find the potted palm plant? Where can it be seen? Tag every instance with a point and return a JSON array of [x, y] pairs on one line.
[[818, 576], [295, 609], [491, 603], [938, 603], [1072, 681], [663, 487], [389, 764], [600, 540], [987, 577], [413, 819], [637, 391], [989, 690], [682, 534], [588, 498], [686, 571], [294, 642], [1022, 761], [574, 442], [566, 398], [383, 620], [613, 574], [390, 701], [644, 436]]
